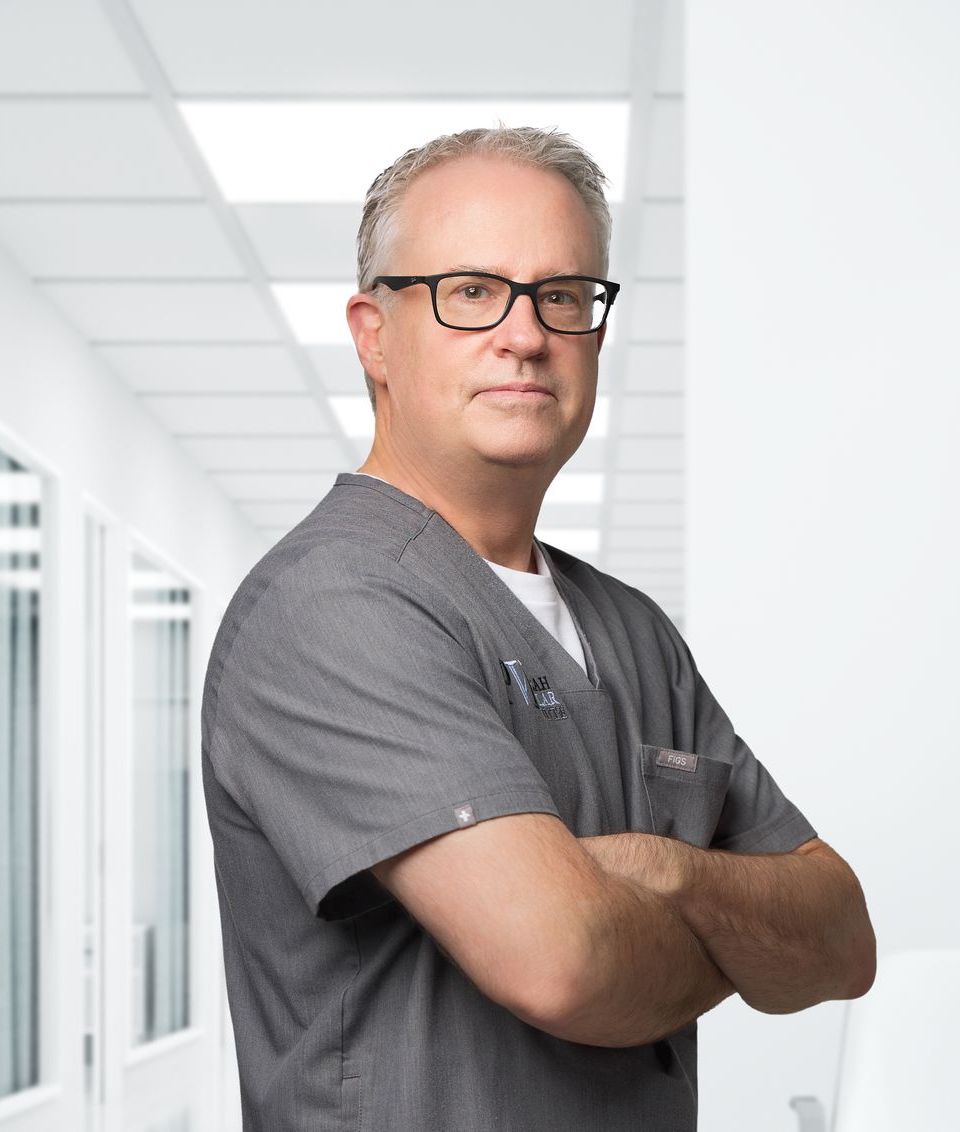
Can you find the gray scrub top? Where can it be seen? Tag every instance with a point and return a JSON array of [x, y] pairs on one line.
[[374, 684]]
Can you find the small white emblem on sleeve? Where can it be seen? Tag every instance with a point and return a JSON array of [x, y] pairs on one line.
[[464, 814]]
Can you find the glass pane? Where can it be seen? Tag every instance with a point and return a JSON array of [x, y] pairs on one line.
[[94, 550], [160, 622], [20, 499]]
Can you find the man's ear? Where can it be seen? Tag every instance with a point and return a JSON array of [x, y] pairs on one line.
[[365, 319]]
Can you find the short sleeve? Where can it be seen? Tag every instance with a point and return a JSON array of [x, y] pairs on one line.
[[353, 722], [756, 817]]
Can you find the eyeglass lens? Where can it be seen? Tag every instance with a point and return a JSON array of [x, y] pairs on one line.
[[469, 301]]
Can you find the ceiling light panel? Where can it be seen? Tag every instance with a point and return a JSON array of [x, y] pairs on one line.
[[331, 150], [316, 312], [355, 415], [575, 540], [575, 487], [600, 421]]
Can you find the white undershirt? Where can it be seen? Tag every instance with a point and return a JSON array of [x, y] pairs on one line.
[[539, 594]]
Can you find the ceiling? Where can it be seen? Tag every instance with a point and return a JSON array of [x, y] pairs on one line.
[[116, 212]]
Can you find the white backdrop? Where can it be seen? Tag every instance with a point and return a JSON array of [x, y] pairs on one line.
[[824, 417]]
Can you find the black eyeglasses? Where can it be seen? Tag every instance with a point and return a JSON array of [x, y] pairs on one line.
[[478, 300]]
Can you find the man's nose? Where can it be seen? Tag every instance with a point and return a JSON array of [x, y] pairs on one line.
[[521, 331]]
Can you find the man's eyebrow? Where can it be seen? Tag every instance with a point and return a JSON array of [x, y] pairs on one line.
[[499, 270]]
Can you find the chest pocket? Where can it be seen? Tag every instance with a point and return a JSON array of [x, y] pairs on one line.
[[685, 793]]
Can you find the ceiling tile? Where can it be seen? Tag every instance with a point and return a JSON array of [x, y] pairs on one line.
[[651, 454], [238, 414], [670, 74], [650, 413], [300, 48], [645, 538], [61, 45], [634, 486], [661, 240], [653, 368], [277, 515], [577, 515], [640, 560], [163, 311], [658, 312], [101, 240], [647, 514], [665, 165], [304, 241], [68, 148], [591, 456], [261, 486], [252, 454], [251, 368], [338, 367]]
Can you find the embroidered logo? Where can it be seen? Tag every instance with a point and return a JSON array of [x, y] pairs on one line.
[[464, 814], [544, 698], [513, 668]]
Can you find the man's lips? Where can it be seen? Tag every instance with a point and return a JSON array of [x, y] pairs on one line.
[[518, 387]]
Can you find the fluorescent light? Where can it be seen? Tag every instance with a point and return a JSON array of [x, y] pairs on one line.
[[144, 578], [576, 540], [331, 150], [316, 311], [576, 487], [19, 540], [354, 414], [20, 487], [600, 419]]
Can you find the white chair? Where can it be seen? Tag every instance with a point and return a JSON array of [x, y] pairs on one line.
[[900, 1051]]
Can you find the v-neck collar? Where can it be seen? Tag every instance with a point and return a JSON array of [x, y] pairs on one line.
[[495, 589]]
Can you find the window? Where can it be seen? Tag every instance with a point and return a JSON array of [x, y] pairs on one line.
[[20, 592], [160, 759]]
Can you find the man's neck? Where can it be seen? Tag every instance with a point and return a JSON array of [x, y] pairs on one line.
[[498, 520]]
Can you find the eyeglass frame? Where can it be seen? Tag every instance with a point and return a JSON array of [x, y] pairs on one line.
[[399, 282]]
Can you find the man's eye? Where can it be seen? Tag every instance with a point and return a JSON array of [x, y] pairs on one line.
[[473, 291], [560, 298]]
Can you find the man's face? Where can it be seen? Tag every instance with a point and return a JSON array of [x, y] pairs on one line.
[[444, 411]]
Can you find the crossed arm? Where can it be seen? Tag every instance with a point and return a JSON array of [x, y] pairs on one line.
[[786, 930]]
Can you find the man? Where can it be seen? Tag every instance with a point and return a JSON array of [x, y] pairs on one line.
[[486, 844]]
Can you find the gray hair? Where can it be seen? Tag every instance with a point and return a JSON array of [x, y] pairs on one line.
[[526, 145]]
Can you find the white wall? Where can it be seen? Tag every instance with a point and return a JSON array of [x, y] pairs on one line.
[[824, 420], [64, 414], [57, 396]]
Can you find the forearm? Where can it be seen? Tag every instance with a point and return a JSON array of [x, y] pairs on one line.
[[644, 975], [788, 930]]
